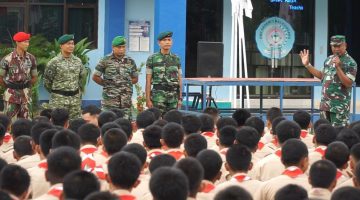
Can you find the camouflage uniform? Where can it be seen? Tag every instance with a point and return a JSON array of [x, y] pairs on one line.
[[17, 70], [117, 74], [165, 71], [62, 78], [336, 97]]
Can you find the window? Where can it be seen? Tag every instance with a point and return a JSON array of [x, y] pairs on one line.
[[50, 18]]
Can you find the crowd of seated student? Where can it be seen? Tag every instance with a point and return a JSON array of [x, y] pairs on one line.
[[103, 156]]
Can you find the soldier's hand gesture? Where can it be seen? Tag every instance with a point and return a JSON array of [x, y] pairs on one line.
[[304, 55], [149, 104]]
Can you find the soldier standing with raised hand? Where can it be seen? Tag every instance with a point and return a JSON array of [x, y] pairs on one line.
[[117, 73], [337, 77], [17, 73], [62, 78], [163, 73]]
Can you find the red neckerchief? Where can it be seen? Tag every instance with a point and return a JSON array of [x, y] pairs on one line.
[[303, 133], [104, 153], [100, 173], [293, 172], [275, 142], [338, 174], [260, 145], [154, 153], [208, 134], [278, 153], [321, 150], [89, 150], [7, 138], [208, 187], [43, 165], [127, 197], [177, 154], [56, 192], [241, 178]]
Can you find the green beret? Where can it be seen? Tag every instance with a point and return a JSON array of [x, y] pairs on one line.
[[119, 40], [337, 40], [65, 38], [165, 34]]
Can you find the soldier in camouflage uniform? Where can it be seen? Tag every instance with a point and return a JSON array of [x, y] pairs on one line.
[[62, 78], [117, 73], [163, 73], [337, 77], [17, 74]]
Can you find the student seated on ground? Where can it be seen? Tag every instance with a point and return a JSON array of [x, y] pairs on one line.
[[169, 183], [152, 136], [123, 173], [208, 129], [60, 117], [143, 120], [271, 114], [348, 137], [61, 161], [233, 193], [173, 116], [338, 153], [191, 124], [293, 192], [75, 124], [294, 156], [259, 125], [238, 163], [241, 115], [303, 118], [194, 173], [272, 166], [102, 196], [249, 137], [105, 117], [156, 112], [172, 137], [79, 184], [15, 181], [346, 193], [211, 162], [7, 142], [24, 150], [213, 112], [226, 139], [353, 161], [193, 144], [163, 160], [90, 114], [322, 178], [126, 126]]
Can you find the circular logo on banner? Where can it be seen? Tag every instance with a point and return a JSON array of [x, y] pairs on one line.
[[275, 38]]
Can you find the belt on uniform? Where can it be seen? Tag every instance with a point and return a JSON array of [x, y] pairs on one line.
[[165, 87], [66, 93], [18, 86]]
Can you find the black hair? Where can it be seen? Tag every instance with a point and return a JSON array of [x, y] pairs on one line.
[[160, 122], [191, 124], [105, 117], [256, 123], [91, 109], [125, 125], [145, 119], [138, 150], [79, 184], [357, 172], [59, 116], [293, 151], [113, 140], [275, 122], [227, 135], [325, 134], [14, 179], [211, 162], [89, 134], [39, 128], [248, 136], [241, 115], [75, 124], [194, 143], [320, 122], [102, 196], [5, 120], [22, 146], [356, 128], [338, 153], [46, 113], [303, 118], [322, 174], [124, 169], [173, 116], [207, 123], [169, 183], [273, 113], [162, 160], [119, 112], [225, 121], [291, 191], [38, 119], [2, 131], [233, 193], [66, 137], [348, 136], [286, 130], [3, 163], [346, 193], [238, 158], [21, 127], [156, 112], [45, 140], [107, 126], [173, 134], [152, 136], [355, 152], [194, 172]]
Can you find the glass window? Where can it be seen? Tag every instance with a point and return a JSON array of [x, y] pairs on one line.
[[47, 20], [12, 21], [46, 1], [82, 23]]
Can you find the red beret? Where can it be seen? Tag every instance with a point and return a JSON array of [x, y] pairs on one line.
[[21, 36]]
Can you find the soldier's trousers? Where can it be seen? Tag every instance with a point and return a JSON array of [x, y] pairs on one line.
[[336, 119], [14, 111], [117, 99], [71, 103], [164, 100]]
